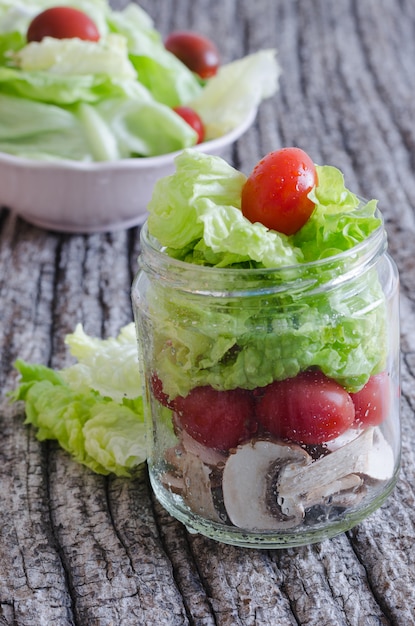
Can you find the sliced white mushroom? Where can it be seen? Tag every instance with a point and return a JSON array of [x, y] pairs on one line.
[[322, 493], [173, 482], [268, 485], [249, 483], [341, 440], [210, 456], [192, 479], [197, 492], [329, 478], [380, 463]]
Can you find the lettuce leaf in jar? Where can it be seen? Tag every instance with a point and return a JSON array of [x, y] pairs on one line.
[[233, 347], [339, 221], [195, 216]]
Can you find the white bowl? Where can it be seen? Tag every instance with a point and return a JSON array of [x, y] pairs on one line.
[[73, 196]]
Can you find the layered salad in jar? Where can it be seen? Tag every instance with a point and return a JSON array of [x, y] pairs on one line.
[[270, 347]]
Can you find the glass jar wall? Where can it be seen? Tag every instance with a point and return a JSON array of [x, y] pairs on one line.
[[271, 395]]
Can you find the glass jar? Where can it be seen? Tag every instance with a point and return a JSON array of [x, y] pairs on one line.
[[271, 395]]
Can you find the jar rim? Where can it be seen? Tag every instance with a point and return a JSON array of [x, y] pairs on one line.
[[374, 244]]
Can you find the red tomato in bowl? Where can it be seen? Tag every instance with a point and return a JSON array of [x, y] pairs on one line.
[[198, 53], [276, 192], [62, 22], [192, 118]]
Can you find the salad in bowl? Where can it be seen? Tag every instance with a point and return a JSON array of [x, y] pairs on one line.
[[90, 96]]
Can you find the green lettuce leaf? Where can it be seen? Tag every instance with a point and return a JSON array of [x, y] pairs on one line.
[[339, 221], [167, 78], [145, 128], [59, 90], [108, 366], [234, 345], [76, 57], [236, 91], [92, 408], [9, 43], [114, 128]]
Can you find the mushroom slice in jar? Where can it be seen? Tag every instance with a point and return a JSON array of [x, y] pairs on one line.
[[172, 478], [197, 491], [209, 456], [173, 482], [192, 479], [175, 456], [343, 492], [381, 460], [195, 473], [249, 483], [331, 477]]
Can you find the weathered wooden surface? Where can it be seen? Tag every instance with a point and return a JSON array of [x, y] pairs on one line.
[[76, 548]]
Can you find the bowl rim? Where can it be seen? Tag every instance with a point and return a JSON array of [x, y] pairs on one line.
[[128, 163]]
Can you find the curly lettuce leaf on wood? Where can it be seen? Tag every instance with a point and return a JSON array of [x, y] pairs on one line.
[[93, 408]]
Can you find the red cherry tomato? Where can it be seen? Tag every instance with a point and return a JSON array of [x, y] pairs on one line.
[[308, 409], [275, 193], [198, 53], [192, 118], [217, 419], [158, 391], [62, 23], [372, 402]]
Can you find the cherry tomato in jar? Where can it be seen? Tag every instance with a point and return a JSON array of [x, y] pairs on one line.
[[198, 53], [276, 192], [193, 119], [372, 402], [217, 419], [158, 391], [62, 22], [307, 409]]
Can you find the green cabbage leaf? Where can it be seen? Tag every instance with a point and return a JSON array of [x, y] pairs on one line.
[[93, 408]]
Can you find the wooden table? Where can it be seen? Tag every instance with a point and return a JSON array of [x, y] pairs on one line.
[[78, 548]]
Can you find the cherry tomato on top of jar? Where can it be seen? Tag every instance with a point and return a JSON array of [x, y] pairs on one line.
[[309, 408], [62, 22], [192, 118], [276, 191], [198, 53]]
